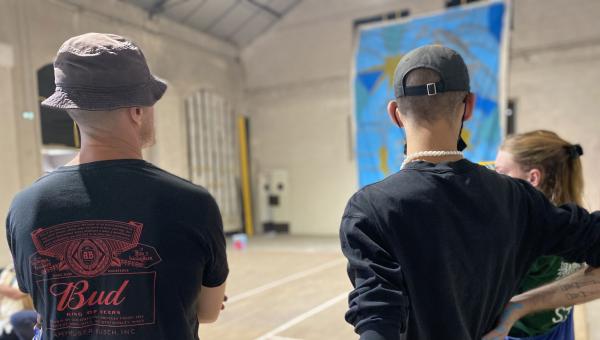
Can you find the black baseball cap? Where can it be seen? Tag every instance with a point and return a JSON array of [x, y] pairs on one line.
[[453, 72]]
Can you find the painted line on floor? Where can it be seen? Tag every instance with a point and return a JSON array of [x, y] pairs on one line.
[[284, 280], [294, 251], [316, 310], [580, 322]]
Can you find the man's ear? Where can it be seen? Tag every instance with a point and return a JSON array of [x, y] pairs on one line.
[[534, 176], [394, 113], [136, 114], [470, 103]]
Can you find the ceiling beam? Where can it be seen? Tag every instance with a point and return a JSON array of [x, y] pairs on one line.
[[157, 8], [266, 9], [175, 4], [216, 21], [193, 11]]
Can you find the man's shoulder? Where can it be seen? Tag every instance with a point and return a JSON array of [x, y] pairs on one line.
[[170, 179], [36, 190], [181, 189], [411, 185], [152, 179], [401, 184], [378, 195]]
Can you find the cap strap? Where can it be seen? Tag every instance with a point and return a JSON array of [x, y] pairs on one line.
[[430, 89]]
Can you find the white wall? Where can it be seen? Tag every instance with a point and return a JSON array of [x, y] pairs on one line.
[[9, 174], [553, 76], [298, 92], [34, 29]]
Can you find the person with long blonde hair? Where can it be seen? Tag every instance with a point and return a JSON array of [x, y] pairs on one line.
[[553, 166]]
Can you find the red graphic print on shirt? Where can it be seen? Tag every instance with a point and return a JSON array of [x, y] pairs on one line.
[[95, 273]]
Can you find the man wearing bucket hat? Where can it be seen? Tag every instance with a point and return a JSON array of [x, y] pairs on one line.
[[111, 246], [437, 250]]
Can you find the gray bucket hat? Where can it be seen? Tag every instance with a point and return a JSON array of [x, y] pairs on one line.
[[97, 71]]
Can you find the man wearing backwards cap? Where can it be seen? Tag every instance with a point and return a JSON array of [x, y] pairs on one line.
[[110, 246], [436, 250]]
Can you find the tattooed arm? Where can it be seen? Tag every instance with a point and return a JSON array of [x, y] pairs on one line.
[[581, 287]]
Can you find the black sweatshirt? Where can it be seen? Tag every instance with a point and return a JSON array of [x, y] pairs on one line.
[[436, 251]]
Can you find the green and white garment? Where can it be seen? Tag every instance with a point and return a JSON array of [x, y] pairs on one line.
[[544, 270]]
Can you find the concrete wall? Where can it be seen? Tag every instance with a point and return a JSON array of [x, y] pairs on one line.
[[32, 30], [298, 92]]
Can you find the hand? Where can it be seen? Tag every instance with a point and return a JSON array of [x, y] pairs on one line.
[[224, 300], [11, 293], [512, 313], [15, 295]]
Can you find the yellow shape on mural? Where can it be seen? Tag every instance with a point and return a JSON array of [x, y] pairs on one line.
[[389, 67], [383, 160], [466, 135], [489, 164]]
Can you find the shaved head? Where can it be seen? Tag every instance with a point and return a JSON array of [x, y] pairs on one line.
[[118, 122], [96, 119]]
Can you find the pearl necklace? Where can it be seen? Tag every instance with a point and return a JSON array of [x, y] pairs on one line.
[[415, 156]]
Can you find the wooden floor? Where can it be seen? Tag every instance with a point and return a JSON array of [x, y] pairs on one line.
[[293, 288], [285, 288]]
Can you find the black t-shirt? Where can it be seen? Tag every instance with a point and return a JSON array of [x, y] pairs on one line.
[[436, 251], [116, 250]]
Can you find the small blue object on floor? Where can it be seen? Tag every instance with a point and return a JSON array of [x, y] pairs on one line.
[[23, 323]]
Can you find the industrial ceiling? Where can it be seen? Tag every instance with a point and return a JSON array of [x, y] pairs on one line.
[[236, 21]]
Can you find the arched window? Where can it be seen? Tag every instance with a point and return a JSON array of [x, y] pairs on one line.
[[213, 152]]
